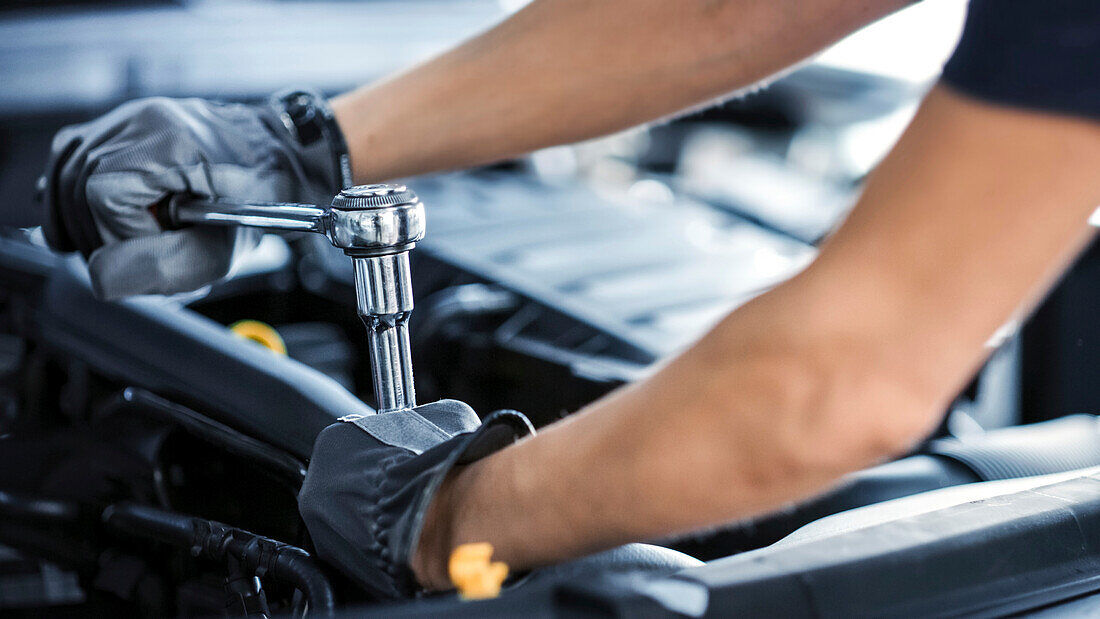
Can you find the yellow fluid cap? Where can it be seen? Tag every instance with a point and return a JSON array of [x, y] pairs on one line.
[[261, 333], [472, 572]]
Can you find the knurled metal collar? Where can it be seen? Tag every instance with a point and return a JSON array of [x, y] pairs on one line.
[[374, 220], [364, 197]]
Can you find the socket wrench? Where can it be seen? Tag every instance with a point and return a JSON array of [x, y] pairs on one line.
[[376, 226]]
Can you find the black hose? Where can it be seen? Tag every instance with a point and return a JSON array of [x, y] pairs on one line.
[[214, 540], [47, 528], [43, 511], [282, 466]]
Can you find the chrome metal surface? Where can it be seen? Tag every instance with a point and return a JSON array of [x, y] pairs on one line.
[[376, 225], [373, 278], [379, 219], [372, 196], [376, 230], [383, 289], [276, 216]]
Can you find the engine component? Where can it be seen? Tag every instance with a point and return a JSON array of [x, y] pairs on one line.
[[168, 349], [260, 332], [1066, 444], [246, 552], [376, 225], [287, 469], [994, 556], [472, 572]]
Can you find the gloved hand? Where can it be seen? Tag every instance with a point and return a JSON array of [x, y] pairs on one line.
[[104, 177], [372, 478]]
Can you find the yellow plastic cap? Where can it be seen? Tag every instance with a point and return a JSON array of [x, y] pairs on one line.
[[261, 333], [473, 574]]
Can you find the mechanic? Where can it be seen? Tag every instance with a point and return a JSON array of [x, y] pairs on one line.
[[981, 205]]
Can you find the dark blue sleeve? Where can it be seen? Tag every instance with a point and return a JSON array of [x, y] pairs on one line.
[[1039, 54]]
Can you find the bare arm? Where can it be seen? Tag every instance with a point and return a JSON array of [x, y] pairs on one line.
[[560, 71], [969, 220]]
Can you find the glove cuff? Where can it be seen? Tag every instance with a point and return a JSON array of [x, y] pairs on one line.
[[309, 119], [496, 432]]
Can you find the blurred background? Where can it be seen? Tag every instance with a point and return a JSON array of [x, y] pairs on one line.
[[824, 126], [593, 287]]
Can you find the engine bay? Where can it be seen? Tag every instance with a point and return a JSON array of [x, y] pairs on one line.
[[152, 454], [152, 449]]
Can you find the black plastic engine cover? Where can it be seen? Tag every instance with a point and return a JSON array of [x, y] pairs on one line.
[[158, 344]]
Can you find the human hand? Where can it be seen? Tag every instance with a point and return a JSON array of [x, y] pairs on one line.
[[105, 178], [373, 478]]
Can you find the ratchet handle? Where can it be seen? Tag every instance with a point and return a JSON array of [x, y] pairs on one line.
[[181, 210]]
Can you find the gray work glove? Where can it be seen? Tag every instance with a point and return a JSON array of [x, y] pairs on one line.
[[372, 478], [105, 177]]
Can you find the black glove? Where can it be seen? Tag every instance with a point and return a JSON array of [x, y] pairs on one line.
[[104, 176], [372, 478]]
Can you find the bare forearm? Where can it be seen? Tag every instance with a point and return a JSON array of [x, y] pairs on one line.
[[966, 222], [560, 71]]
